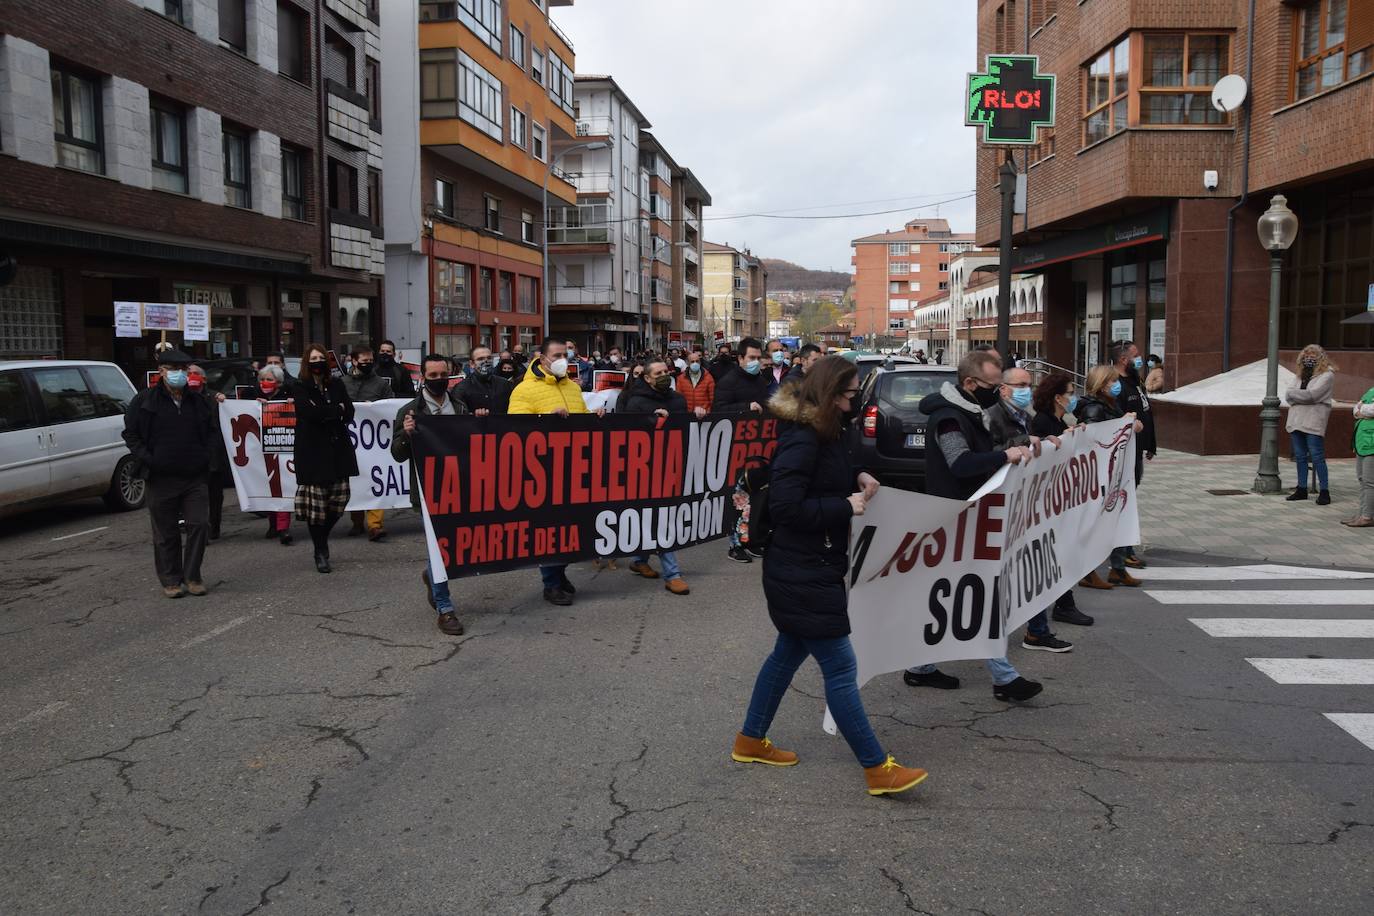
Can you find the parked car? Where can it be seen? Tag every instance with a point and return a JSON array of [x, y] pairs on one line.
[[60, 435], [890, 438], [867, 361]]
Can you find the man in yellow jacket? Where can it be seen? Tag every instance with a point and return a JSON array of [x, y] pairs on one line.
[[546, 389]]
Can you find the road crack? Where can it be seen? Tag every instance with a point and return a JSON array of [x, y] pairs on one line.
[[346, 736], [1331, 838], [901, 889], [1110, 816], [124, 765], [263, 898]]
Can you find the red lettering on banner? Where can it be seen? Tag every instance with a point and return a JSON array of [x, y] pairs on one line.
[[558, 443], [598, 483], [673, 465], [656, 472], [479, 546], [444, 555], [508, 483], [450, 489], [959, 537], [615, 482], [987, 526], [637, 466], [738, 453], [482, 472], [535, 449], [462, 540], [577, 493], [935, 548]]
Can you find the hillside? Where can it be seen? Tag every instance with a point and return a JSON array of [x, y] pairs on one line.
[[786, 275]]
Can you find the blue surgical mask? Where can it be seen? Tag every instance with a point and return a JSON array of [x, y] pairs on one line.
[[1021, 397], [1115, 390], [1138, 362], [176, 378], [753, 367], [1073, 402], [1150, 363]]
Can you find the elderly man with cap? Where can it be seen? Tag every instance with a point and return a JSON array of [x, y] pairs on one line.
[[171, 434]]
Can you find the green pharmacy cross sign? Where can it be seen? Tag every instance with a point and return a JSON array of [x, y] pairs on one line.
[[1011, 100]]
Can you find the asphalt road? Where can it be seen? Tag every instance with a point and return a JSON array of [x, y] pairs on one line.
[[298, 743]]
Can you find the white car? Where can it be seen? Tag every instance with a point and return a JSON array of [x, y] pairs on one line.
[[60, 435]]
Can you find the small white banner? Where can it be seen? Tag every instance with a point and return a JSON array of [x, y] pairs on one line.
[[196, 321]]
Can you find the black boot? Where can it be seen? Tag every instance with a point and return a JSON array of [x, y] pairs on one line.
[[1324, 498], [1066, 611], [319, 534], [1298, 495]]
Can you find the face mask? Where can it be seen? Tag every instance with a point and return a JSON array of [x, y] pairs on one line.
[[385, 358], [319, 366], [1115, 390], [753, 367], [268, 386], [615, 359], [1021, 397], [663, 383], [572, 353], [506, 372], [695, 368], [1073, 402], [482, 367], [176, 378], [436, 386], [559, 368], [1150, 363], [987, 397], [195, 382], [1309, 362], [364, 369], [1138, 362]]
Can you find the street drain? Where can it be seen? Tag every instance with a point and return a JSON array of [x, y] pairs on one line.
[[1228, 492]]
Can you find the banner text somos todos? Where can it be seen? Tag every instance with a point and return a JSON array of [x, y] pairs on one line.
[[505, 492]]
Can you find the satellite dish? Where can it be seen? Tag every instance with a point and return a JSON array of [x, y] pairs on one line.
[[1229, 93]]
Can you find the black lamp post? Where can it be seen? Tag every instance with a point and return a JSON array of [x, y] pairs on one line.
[[1278, 227]]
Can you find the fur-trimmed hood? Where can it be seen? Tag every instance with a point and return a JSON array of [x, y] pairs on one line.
[[785, 404]]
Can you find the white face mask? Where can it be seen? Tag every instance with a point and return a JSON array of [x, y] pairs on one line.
[[559, 368]]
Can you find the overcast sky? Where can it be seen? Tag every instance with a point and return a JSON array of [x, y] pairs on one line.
[[785, 104]]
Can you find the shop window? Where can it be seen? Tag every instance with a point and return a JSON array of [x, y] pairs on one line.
[[76, 103], [1334, 42]]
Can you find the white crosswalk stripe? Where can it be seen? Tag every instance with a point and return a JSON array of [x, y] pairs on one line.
[[1257, 572], [1294, 597], [1360, 725], [1317, 670], [1290, 627]]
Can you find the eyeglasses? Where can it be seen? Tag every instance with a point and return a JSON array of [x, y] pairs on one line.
[[850, 392]]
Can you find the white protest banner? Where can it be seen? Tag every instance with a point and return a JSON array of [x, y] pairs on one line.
[[933, 579], [267, 482], [128, 319], [196, 318]]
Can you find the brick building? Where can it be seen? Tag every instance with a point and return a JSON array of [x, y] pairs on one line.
[[471, 153], [736, 293], [1127, 236], [196, 151], [893, 271]]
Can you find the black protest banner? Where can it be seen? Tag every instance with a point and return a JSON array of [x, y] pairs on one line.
[[513, 491]]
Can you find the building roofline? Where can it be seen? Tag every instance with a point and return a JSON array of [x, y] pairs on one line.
[[592, 78]]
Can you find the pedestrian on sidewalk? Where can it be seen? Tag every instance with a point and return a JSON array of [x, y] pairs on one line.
[[363, 384], [1054, 398], [272, 387], [435, 400], [1309, 408], [814, 491], [1364, 461], [170, 433], [1154, 378], [1100, 403], [963, 459], [324, 453]]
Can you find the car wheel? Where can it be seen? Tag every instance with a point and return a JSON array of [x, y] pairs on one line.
[[127, 491]]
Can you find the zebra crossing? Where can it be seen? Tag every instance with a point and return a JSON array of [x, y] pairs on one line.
[[1206, 587]]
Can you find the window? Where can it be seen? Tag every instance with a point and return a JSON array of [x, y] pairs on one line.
[[343, 187], [238, 189], [1177, 76], [338, 59], [537, 65], [537, 134], [292, 183], [517, 46], [233, 25], [1333, 44], [506, 289], [575, 275], [76, 121], [372, 88], [450, 287], [65, 395], [292, 52], [526, 226], [431, 10], [172, 10], [374, 197], [560, 82], [898, 248], [484, 289], [111, 390], [483, 19], [944, 267], [1042, 150], [914, 286], [479, 97], [529, 295], [16, 410], [438, 84], [492, 219], [1105, 93], [898, 267], [944, 285], [443, 197], [167, 131], [518, 122]]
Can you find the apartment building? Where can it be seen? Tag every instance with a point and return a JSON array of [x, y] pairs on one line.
[[224, 152], [893, 271], [736, 293], [676, 199], [1129, 237], [481, 93]]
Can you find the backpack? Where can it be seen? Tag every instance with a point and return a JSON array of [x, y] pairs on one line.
[[756, 524]]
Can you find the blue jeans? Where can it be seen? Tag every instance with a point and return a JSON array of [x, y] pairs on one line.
[[443, 603], [553, 576], [840, 668], [1002, 671], [669, 559], [1039, 625], [1306, 445]]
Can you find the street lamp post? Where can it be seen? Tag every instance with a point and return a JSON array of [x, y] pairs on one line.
[[1278, 227], [553, 158]]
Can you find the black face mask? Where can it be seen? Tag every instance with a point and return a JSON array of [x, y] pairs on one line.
[[385, 359], [364, 369], [319, 366], [436, 386], [987, 397], [662, 383]]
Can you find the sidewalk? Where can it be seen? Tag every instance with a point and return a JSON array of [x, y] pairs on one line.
[[1177, 512]]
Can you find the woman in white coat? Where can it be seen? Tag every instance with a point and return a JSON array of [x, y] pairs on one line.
[[1309, 407]]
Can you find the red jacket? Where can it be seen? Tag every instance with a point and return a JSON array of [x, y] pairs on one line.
[[702, 394]]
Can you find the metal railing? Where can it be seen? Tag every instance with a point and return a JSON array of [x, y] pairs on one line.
[[1039, 368], [595, 127], [592, 182], [584, 295], [559, 32], [579, 235]]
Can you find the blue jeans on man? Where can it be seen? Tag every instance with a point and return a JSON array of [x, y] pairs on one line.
[[1002, 671], [443, 602], [554, 576], [671, 569]]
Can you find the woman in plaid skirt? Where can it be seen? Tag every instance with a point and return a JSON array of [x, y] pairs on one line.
[[324, 453]]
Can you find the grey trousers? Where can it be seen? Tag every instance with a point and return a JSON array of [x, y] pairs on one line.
[[1364, 470], [171, 499]]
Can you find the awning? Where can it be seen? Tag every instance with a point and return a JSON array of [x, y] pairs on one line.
[[1150, 226]]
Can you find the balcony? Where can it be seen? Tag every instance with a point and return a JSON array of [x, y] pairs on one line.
[[579, 235], [601, 296], [592, 182], [690, 254], [691, 218], [691, 290], [595, 127], [561, 36]]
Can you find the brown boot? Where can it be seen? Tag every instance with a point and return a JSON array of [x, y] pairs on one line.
[[1093, 580], [1121, 577], [761, 750], [891, 776], [644, 569], [677, 586]]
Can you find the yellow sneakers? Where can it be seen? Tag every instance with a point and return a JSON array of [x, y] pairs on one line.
[[890, 776], [761, 750]]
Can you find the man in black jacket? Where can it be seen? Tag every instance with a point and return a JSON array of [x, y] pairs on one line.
[[482, 391], [1125, 355], [745, 386], [653, 393], [722, 363], [393, 371], [960, 458], [171, 434]]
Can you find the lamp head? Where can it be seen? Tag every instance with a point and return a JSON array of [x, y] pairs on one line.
[[1278, 226]]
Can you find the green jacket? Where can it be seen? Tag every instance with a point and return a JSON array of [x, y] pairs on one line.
[[400, 439], [1364, 429]]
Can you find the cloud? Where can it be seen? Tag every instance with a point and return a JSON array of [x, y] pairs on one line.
[[787, 104]]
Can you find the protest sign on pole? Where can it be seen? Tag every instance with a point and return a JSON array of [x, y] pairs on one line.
[[195, 321], [161, 316]]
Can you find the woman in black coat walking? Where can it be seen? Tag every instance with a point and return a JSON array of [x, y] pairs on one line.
[[814, 491], [324, 452]]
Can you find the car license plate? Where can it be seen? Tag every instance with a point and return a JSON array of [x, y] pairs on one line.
[[916, 440]]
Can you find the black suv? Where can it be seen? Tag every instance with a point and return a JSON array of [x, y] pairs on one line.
[[889, 438]]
